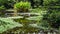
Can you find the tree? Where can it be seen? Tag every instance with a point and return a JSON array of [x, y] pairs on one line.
[[50, 2], [7, 3], [53, 17]]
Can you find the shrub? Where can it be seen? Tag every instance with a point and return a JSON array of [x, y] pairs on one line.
[[2, 10], [2, 7], [50, 2], [53, 18], [22, 6], [7, 3]]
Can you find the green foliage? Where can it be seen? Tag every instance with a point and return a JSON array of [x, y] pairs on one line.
[[22, 21], [48, 2], [7, 3], [2, 10], [53, 18], [6, 24], [44, 20], [44, 24], [3, 1], [2, 7], [22, 5]]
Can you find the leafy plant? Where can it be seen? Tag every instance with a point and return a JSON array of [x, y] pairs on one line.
[[22, 5], [2, 7], [2, 10], [49, 2], [7, 24], [53, 18]]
